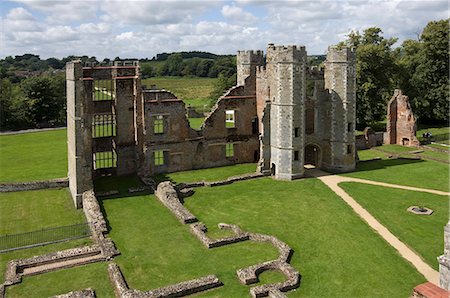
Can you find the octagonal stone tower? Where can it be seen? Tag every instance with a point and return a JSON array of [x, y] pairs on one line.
[[247, 62], [340, 80], [286, 71]]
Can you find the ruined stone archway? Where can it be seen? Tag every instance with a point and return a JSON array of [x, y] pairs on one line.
[[313, 155]]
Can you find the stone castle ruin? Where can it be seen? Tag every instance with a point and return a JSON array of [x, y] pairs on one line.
[[401, 126], [282, 114]]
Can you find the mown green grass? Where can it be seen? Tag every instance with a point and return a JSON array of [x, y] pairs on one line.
[[38, 209], [33, 156], [368, 154], [417, 173], [156, 250], [212, 174], [63, 281], [337, 254], [423, 233], [440, 134]]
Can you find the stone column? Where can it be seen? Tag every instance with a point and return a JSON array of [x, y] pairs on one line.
[[79, 131]]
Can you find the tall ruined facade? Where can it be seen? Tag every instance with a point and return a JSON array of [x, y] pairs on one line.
[[281, 113], [102, 123]]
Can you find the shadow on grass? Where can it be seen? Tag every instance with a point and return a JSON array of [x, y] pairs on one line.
[[371, 165]]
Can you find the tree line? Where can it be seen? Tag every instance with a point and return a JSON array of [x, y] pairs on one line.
[[32, 90]]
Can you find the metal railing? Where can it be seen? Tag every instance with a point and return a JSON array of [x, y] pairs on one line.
[[43, 237]]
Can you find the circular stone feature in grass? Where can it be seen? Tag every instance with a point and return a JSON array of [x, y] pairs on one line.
[[420, 210]]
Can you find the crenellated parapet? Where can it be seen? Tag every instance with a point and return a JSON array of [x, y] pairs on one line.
[[246, 62]]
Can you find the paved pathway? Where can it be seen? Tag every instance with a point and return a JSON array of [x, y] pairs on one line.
[[332, 182]]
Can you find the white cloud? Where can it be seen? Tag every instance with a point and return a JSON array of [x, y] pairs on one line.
[[237, 14], [60, 11], [129, 28]]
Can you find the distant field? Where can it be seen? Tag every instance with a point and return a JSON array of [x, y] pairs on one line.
[[194, 91]]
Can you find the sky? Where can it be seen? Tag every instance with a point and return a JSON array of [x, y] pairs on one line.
[[144, 28]]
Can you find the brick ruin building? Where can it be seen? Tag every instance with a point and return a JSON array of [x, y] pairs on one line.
[[401, 124], [282, 114]]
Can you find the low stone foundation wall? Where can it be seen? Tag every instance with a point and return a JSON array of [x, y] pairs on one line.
[[168, 195], [15, 269], [103, 250], [93, 213], [227, 181], [177, 290], [86, 293], [34, 185], [199, 230], [171, 197]]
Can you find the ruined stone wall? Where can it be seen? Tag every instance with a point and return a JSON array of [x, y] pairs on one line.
[[340, 80], [184, 148], [121, 109], [246, 62], [286, 72], [401, 126], [79, 147]]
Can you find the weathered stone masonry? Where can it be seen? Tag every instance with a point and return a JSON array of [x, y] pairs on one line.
[[116, 128]]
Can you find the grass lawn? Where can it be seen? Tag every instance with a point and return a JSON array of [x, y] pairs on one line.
[[440, 134], [33, 156], [212, 174], [417, 173], [33, 210], [420, 232], [332, 253], [333, 247], [156, 250], [368, 154], [66, 280]]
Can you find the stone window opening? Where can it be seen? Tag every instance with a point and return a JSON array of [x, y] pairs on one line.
[[230, 120], [103, 125], [296, 155], [309, 121], [158, 124], [229, 150], [105, 160], [255, 126], [349, 127], [349, 149], [297, 132], [158, 157], [103, 90]]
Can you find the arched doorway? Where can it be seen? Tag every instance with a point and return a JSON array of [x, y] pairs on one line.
[[313, 155]]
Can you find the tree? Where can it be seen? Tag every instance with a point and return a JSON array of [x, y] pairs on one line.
[[375, 73], [425, 70], [44, 98]]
